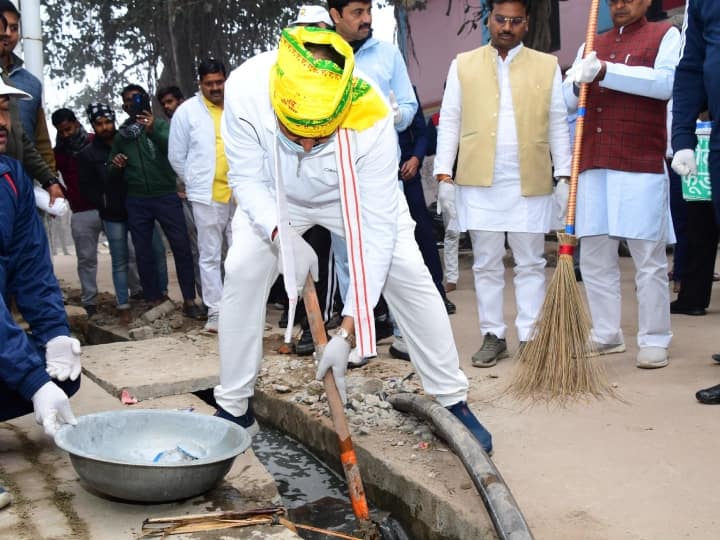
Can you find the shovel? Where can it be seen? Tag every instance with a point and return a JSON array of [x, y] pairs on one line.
[[368, 530]]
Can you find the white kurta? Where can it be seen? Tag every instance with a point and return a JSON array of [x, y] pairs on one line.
[[501, 207], [618, 203]]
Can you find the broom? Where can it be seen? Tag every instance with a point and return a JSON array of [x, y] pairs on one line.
[[556, 364]]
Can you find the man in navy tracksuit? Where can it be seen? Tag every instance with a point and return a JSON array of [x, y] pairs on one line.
[[697, 88], [40, 370]]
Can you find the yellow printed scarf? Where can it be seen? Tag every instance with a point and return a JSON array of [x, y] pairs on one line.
[[312, 97]]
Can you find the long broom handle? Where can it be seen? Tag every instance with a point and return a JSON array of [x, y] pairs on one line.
[[580, 121], [347, 452]]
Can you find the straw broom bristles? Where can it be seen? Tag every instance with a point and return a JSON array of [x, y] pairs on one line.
[[556, 363]]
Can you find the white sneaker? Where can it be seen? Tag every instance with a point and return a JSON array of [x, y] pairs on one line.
[[601, 349], [355, 360], [652, 358], [212, 323], [4, 497]]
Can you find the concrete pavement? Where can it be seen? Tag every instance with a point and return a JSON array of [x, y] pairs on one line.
[[643, 469]]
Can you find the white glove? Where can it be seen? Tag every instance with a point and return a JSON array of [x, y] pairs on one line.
[[587, 69], [304, 256], [335, 357], [397, 115], [684, 162], [62, 358], [52, 408], [446, 199], [561, 195]]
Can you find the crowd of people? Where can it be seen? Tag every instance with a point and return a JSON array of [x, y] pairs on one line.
[[306, 160]]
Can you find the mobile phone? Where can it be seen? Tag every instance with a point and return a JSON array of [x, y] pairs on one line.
[[140, 104]]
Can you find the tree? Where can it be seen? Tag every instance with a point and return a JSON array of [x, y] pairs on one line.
[[153, 43]]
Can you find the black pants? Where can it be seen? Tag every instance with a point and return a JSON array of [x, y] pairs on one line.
[[702, 237]]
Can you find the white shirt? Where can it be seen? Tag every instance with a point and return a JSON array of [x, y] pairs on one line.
[[501, 207]]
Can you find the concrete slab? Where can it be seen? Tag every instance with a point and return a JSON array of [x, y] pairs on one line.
[[155, 367], [50, 503]]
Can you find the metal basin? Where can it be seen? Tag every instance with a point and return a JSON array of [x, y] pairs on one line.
[[152, 455]]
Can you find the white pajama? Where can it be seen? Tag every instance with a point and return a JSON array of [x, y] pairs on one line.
[[251, 268], [489, 272], [612, 205], [213, 224]]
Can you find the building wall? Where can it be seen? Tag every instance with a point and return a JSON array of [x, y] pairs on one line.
[[436, 43]]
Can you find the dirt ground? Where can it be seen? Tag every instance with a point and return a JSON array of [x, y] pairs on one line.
[[640, 469]]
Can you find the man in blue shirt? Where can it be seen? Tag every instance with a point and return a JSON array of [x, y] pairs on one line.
[[697, 88], [40, 370]]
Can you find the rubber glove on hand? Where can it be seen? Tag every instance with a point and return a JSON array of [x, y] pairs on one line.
[[587, 69], [684, 162], [62, 357], [397, 115], [561, 195], [335, 357], [446, 199], [304, 256], [52, 408]]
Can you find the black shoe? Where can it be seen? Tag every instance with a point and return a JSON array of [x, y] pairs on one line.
[[578, 274], [333, 322], [449, 306], [283, 322], [678, 309], [91, 310], [709, 396], [716, 357], [194, 312], [305, 345], [246, 421], [383, 328]]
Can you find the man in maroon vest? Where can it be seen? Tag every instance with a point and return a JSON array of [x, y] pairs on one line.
[[623, 185]]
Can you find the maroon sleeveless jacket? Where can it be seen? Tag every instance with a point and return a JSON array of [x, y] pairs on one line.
[[622, 131]]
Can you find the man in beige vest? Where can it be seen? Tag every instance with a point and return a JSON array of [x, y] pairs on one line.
[[503, 110]]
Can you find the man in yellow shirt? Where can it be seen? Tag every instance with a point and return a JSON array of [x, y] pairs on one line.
[[197, 153]]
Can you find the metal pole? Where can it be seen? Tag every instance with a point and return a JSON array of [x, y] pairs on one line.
[[32, 37]]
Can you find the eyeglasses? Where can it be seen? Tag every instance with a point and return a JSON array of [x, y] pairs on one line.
[[514, 21], [615, 2]]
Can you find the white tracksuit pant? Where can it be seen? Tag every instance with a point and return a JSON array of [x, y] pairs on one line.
[[213, 223], [488, 250], [251, 267], [601, 276]]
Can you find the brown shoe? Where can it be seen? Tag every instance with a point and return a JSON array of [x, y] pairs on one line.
[[125, 317], [450, 287]]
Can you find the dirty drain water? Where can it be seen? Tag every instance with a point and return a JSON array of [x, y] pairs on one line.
[[312, 493]]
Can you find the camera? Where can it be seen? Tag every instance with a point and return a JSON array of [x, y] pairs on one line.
[[140, 104]]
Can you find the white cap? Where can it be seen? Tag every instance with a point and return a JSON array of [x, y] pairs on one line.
[[10, 91], [313, 15]]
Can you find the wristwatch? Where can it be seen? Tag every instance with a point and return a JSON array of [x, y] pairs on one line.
[[347, 336]]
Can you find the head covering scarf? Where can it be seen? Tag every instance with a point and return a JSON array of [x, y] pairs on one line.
[[99, 110], [313, 97]]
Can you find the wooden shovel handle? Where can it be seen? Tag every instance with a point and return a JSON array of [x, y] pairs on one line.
[[337, 412]]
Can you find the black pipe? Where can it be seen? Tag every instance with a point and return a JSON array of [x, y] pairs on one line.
[[504, 511]]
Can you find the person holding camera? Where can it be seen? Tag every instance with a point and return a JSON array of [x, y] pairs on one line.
[[139, 157]]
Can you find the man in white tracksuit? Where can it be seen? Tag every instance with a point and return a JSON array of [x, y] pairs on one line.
[[287, 173], [196, 152]]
